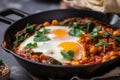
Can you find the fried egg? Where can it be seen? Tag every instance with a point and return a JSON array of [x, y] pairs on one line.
[[59, 41]]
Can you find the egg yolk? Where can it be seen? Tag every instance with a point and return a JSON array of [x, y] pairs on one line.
[[59, 33], [66, 46]]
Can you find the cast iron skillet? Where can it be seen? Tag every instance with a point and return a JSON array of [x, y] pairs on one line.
[[54, 71]]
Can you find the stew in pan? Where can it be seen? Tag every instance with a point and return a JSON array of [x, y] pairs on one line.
[[73, 41]]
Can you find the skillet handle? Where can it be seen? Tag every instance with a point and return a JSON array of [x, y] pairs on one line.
[[7, 12], [114, 20]]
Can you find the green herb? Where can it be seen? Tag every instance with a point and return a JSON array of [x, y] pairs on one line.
[[83, 28], [30, 45], [97, 28], [106, 34], [103, 43], [45, 31], [68, 55], [40, 36], [38, 27], [94, 33], [20, 38], [98, 44], [116, 38], [29, 28], [75, 31], [78, 29], [66, 23], [69, 24], [90, 26], [59, 63], [87, 27]]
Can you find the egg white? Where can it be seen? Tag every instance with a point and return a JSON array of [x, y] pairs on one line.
[[51, 45]]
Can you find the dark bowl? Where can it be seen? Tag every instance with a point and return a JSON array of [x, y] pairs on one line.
[[6, 73]]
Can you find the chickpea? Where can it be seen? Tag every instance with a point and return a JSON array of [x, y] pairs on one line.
[[101, 33], [105, 58], [109, 30], [93, 50], [116, 33], [114, 45], [100, 48], [113, 53], [75, 62], [84, 59], [55, 22], [113, 57], [46, 23]]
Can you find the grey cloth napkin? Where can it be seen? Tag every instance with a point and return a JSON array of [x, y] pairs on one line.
[[18, 73]]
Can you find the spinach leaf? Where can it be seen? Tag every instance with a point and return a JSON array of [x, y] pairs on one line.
[[68, 55], [97, 28], [45, 31], [69, 24], [94, 33], [20, 38], [103, 43], [83, 28], [97, 45], [75, 31], [90, 26], [38, 27], [106, 34], [29, 28], [30, 45], [40, 36], [116, 38]]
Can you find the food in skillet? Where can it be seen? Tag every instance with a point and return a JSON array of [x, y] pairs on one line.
[[73, 41]]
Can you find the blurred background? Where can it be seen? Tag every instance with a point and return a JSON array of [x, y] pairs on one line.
[[30, 6]]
